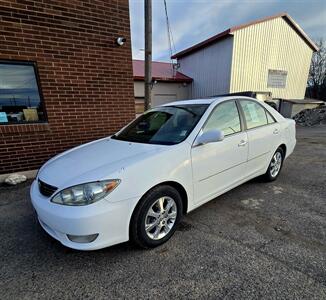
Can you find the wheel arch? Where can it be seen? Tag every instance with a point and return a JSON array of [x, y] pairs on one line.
[[179, 187], [182, 191], [176, 185], [283, 147]]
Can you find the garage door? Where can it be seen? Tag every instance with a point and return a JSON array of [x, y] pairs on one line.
[[160, 99]]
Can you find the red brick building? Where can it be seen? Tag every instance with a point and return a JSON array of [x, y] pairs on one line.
[[63, 78]]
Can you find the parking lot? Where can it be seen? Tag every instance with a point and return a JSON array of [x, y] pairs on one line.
[[257, 241]]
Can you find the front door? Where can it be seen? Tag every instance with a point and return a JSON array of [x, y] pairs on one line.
[[220, 165]]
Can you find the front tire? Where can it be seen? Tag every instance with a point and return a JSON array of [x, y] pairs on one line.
[[156, 217], [275, 166]]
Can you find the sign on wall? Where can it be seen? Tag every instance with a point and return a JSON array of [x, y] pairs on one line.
[[277, 79]]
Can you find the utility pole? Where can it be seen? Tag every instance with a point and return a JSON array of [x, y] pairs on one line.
[[148, 53]]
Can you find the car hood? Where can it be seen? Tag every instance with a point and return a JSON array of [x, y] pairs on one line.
[[94, 161]]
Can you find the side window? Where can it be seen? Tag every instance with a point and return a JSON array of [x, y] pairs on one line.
[[254, 113], [225, 117], [270, 118]]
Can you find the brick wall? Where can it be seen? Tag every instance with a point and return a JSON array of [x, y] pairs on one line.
[[86, 79]]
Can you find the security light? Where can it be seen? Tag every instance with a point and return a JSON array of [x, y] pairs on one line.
[[120, 41]]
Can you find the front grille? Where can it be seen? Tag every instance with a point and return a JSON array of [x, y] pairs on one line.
[[46, 189]]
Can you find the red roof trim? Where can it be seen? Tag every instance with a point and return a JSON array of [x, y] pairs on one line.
[[161, 71], [229, 32]]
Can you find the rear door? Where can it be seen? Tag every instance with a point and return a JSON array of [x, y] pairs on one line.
[[263, 135], [220, 165]]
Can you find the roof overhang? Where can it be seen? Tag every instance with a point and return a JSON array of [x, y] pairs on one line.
[[229, 32], [203, 44]]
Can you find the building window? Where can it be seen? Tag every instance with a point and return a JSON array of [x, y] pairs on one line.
[[20, 97]]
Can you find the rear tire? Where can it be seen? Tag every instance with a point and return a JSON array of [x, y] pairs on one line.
[[275, 166], [156, 217]]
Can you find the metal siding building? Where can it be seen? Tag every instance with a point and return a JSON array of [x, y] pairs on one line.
[[247, 57], [211, 67]]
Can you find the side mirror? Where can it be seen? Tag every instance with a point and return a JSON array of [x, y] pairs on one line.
[[210, 136]]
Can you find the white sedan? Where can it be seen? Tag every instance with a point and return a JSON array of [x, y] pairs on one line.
[[137, 184]]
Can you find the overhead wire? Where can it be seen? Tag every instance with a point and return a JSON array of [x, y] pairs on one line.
[[170, 37]]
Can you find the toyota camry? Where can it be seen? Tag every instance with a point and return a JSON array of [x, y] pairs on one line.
[[138, 183]]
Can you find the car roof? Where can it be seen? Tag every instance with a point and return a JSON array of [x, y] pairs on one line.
[[206, 100]]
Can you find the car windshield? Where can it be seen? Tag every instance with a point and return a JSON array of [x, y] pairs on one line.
[[165, 125]]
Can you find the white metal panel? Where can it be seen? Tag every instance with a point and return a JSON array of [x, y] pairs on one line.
[[217, 166], [210, 69], [163, 92], [271, 45]]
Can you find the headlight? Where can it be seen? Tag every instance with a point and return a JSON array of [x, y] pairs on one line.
[[84, 194]]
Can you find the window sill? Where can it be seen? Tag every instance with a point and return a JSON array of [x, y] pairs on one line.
[[24, 128]]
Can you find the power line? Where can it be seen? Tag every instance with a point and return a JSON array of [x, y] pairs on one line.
[[170, 35]]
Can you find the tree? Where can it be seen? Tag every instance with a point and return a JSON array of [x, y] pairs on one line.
[[317, 74]]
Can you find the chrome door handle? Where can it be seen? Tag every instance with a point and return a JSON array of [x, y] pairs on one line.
[[275, 131], [242, 143]]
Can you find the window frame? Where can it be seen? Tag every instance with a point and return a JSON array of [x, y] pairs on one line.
[[38, 83], [269, 114], [242, 124], [244, 116]]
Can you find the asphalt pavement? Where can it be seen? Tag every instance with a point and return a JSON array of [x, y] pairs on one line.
[[260, 240]]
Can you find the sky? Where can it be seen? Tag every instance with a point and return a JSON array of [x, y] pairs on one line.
[[193, 21]]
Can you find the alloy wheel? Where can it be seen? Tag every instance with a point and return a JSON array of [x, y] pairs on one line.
[[276, 164], [160, 218]]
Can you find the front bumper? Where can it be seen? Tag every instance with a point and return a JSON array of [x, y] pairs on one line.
[[110, 220]]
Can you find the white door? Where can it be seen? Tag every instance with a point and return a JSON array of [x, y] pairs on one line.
[[220, 165], [262, 133]]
